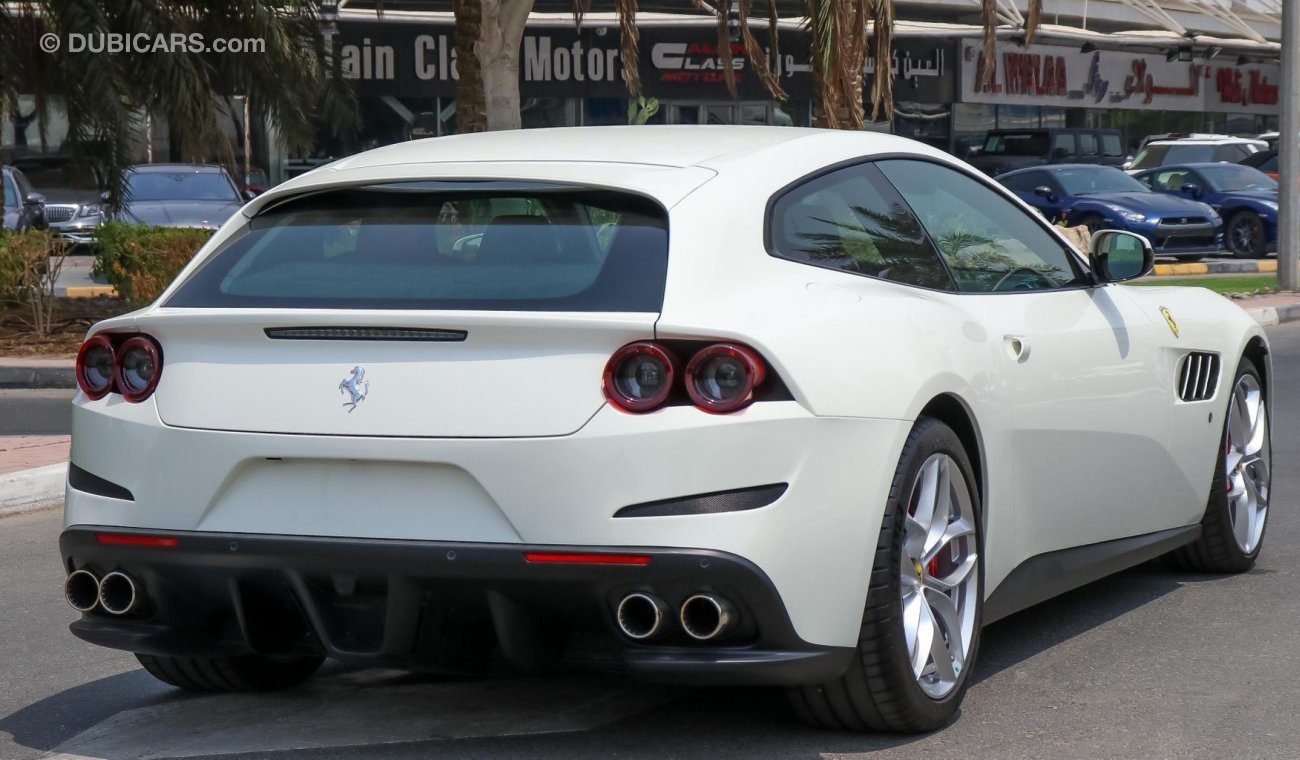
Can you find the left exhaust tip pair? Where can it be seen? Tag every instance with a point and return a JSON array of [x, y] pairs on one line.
[[115, 593]]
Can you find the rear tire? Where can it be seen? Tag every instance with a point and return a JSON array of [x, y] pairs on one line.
[[225, 674], [1226, 544], [881, 690]]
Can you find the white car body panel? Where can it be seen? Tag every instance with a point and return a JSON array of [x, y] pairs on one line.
[[1082, 439]]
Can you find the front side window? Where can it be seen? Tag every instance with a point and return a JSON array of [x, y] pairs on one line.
[[989, 244], [853, 221], [444, 245], [11, 192], [1016, 144], [1087, 144]]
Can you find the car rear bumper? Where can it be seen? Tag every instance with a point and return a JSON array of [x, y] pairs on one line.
[[387, 602]]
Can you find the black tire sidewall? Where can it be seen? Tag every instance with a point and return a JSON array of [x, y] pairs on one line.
[[1242, 217], [928, 437]]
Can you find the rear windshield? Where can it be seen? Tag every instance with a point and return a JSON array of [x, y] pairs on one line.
[[1016, 144], [484, 245]]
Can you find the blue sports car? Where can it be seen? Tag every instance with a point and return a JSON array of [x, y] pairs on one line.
[[1103, 197], [1245, 197]]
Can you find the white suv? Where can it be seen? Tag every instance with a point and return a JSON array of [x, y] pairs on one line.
[[1195, 150]]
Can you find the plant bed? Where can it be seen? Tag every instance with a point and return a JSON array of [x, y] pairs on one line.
[[71, 319]]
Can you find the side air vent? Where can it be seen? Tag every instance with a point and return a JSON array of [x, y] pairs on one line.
[[1198, 377]]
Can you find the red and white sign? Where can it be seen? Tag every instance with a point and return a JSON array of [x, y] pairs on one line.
[[1050, 75]]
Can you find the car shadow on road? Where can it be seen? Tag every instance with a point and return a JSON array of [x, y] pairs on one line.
[[721, 722]]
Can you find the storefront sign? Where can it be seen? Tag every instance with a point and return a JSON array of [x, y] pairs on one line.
[[403, 59], [1064, 76]]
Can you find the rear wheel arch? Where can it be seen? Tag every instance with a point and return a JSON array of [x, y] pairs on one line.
[[952, 411]]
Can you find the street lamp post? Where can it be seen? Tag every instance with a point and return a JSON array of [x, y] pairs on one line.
[[1288, 239]]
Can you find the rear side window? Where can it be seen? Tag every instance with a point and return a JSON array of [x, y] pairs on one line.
[[486, 245], [1231, 153], [1087, 144], [853, 220], [1064, 141], [1111, 145]]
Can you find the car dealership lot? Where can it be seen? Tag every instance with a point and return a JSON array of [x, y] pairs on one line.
[[1150, 663]]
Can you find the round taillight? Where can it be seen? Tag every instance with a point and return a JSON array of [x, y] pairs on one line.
[[639, 376], [139, 365], [722, 377], [94, 367]]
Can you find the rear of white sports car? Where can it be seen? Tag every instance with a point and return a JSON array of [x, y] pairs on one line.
[[432, 423]]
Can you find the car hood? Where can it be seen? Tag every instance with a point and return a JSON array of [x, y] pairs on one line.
[[207, 214], [1149, 203]]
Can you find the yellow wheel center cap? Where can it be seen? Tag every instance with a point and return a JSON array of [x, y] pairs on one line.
[[920, 570]]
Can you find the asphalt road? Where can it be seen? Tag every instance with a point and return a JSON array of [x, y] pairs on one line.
[[1146, 664], [35, 412]]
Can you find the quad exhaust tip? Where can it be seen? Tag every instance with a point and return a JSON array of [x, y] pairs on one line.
[[117, 593], [81, 589], [641, 616], [705, 617]]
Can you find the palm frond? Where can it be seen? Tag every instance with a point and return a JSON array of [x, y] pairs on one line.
[[1032, 19], [628, 46], [989, 57]]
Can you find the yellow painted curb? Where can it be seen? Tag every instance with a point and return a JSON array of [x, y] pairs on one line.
[[1267, 266], [91, 291], [1164, 269]]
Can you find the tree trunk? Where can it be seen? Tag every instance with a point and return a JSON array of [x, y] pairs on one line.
[[487, 94]]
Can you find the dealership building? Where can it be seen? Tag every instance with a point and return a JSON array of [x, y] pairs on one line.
[[1142, 66], [1137, 65]]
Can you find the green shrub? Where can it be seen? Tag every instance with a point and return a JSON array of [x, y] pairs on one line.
[[30, 263], [141, 261]]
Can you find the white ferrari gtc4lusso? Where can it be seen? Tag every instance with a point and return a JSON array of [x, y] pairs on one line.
[[702, 405]]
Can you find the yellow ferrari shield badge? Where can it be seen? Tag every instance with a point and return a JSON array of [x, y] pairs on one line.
[[1169, 320]]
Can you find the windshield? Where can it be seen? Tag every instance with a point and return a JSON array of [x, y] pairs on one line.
[[1163, 155], [179, 186], [444, 245], [1087, 180], [1231, 178], [1016, 144]]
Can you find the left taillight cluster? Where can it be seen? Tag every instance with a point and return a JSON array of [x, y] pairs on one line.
[[126, 364], [716, 377]]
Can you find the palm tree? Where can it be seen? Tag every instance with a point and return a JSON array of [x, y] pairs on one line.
[[289, 84]]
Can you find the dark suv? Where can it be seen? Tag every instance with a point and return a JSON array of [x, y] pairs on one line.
[[1006, 150]]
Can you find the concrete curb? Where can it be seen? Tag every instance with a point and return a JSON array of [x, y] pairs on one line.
[[32, 490], [1275, 315], [1261, 266], [37, 377]]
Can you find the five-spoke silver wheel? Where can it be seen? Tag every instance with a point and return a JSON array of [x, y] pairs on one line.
[[1247, 463], [939, 570]]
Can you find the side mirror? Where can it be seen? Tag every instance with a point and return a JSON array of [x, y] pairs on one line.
[[1192, 189], [248, 195], [1127, 165], [104, 196], [1058, 154], [1118, 256], [1043, 191], [33, 199]]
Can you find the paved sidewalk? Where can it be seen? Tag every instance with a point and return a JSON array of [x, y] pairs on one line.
[[33, 469]]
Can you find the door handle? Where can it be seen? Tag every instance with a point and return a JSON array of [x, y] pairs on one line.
[[1018, 348]]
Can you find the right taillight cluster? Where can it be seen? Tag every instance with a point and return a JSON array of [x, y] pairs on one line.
[[127, 364], [716, 377]]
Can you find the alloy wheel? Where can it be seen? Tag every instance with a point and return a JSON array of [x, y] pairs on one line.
[[1248, 463], [1244, 235], [939, 571]]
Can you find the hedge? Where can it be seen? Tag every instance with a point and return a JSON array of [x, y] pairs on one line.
[[141, 261]]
